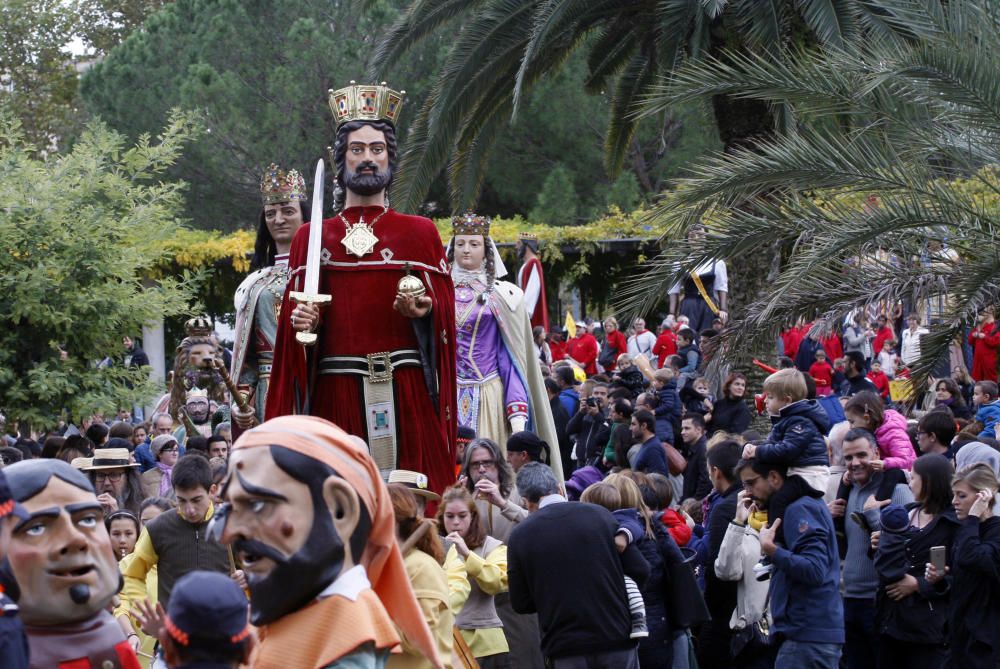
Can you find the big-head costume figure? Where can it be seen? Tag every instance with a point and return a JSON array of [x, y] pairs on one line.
[[383, 365], [64, 570], [309, 517], [258, 299]]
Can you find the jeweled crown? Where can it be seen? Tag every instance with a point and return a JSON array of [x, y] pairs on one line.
[[366, 102], [196, 392], [199, 326], [528, 236], [470, 224], [277, 185]]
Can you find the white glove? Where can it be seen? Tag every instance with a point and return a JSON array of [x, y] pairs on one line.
[[517, 424]]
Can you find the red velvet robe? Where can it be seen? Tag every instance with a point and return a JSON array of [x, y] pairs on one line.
[[361, 320], [540, 316]]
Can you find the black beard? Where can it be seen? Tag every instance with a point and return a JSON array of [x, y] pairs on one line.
[[296, 581], [367, 183]]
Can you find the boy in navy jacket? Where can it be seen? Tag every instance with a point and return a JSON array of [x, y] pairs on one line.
[[797, 443]]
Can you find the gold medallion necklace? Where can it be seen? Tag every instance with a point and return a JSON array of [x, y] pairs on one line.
[[360, 237]]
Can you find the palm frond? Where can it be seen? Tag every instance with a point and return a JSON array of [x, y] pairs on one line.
[[621, 127], [609, 54], [419, 20], [551, 19], [764, 22], [833, 21]]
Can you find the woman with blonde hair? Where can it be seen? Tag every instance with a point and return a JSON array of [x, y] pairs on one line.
[[614, 345], [422, 557], [660, 551], [476, 564], [974, 619]]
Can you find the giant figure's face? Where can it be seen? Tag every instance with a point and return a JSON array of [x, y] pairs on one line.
[[202, 355], [366, 163], [198, 408], [470, 250], [283, 220], [62, 557], [292, 541]]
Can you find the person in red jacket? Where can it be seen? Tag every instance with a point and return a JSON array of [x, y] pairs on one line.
[[833, 347], [666, 343], [791, 338], [985, 339], [583, 349], [883, 333], [880, 379], [614, 344], [557, 344], [822, 374]]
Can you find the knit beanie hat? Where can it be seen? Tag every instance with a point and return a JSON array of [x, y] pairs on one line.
[[159, 442], [895, 518]]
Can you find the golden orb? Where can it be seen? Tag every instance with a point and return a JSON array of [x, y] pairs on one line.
[[411, 286]]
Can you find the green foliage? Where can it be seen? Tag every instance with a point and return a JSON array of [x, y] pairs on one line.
[[258, 73], [624, 192], [78, 233], [860, 205], [557, 204], [501, 50], [37, 77]]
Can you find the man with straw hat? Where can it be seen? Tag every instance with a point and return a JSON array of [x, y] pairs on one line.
[[116, 479], [310, 519]]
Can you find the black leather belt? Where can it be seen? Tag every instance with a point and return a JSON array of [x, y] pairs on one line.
[[378, 367]]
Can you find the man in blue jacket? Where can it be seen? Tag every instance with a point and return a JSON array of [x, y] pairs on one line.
[[806, 607]]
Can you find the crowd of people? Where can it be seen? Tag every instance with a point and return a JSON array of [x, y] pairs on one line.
[[451, 484], [855, 532]]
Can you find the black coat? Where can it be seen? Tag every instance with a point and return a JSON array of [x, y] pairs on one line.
[[921, 617], [974, 620], [732, 416], [656, 650]]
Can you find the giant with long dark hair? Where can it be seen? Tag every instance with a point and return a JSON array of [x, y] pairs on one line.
[[264, 248]]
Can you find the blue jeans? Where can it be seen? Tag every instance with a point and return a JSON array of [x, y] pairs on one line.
[[805, 655]]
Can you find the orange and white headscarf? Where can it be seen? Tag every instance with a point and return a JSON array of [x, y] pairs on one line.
[[323, 441]]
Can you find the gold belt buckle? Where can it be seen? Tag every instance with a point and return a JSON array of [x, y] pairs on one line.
[[385, 374]]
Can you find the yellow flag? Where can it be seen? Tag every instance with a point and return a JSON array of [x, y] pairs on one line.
[[570, 324]]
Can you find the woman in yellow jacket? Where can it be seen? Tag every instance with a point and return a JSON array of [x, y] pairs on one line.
[[422, 557], [477, 570], [125, 529]]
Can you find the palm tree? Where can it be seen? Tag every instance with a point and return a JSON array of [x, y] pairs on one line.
[[501, 48], [858, 204]]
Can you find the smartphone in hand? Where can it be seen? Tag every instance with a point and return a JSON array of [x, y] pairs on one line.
[[938, 558]]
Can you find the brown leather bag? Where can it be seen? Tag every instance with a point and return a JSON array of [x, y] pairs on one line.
[[676, 462]]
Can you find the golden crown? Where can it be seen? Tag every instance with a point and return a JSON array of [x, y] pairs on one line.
[[199, 326], [528, 236], [196, 392], [277, 185], [470, 224], [366, 103]]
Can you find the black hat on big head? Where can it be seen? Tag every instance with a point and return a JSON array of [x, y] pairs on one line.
[[207, 610], [8, 505]]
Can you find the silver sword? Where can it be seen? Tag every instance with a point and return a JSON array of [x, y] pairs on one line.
[[311, 294]]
